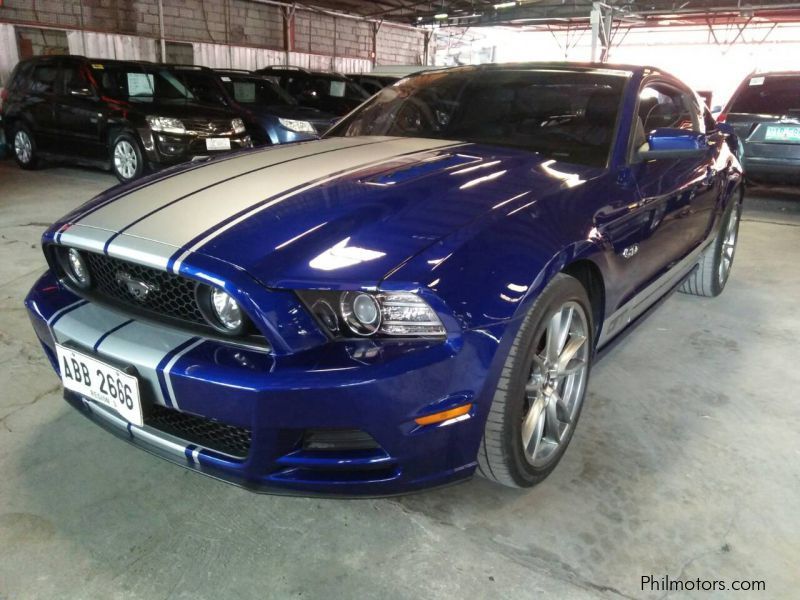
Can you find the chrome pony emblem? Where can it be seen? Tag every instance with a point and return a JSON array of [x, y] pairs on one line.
[[135, 287]]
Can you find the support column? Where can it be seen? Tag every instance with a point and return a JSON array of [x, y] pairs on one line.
[[287, 12], [376, 27], [600, 18], [161, 31]]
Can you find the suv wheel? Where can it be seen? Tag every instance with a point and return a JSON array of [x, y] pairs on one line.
[[25, 152], [126, 158]]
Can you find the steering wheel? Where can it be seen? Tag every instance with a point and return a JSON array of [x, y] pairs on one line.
[[415, 116]]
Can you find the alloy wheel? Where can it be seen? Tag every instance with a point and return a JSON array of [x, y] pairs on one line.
[[23, 146], [125, 161], [728, 247], [555, 388]]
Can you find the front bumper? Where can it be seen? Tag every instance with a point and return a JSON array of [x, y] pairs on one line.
[[278, 403], [163, 149], [772, 162]]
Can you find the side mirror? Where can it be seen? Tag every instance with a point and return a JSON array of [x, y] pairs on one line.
[[673, 144]]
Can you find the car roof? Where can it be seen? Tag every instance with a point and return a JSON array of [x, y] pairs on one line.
[[604, 68]]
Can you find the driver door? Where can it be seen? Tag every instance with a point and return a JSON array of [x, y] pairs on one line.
[[677, 193]]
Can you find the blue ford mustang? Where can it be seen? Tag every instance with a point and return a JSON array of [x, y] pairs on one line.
[[417, 296]]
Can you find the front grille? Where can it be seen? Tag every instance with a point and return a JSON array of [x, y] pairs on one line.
[[169, 295], [206, 433], [208, 127]]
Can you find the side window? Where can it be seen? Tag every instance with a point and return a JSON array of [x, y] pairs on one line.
[[43, 79], [73, 78], [661, 105]]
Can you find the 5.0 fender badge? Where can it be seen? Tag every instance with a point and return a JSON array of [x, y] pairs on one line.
[[630, 251]]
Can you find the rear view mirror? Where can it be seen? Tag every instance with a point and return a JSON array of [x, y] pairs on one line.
[[673, 143]]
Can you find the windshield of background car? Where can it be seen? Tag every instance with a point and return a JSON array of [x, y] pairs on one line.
[[137, 83], [203, 85], [257, 91], [327, 87], [769, 95], [568, 116]]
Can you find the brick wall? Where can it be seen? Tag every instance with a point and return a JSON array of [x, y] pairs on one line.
[[238, 22]]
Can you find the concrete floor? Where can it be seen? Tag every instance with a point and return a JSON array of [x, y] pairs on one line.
[[686, 463]]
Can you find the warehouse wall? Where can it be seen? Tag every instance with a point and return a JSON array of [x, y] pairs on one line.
[[241, 23]]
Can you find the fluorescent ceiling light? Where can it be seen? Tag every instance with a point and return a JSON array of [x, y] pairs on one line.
[[440, 16], [504, 5]]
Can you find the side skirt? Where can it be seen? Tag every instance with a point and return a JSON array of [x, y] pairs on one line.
[[612, 343]]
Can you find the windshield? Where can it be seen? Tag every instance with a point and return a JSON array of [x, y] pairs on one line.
[[132, 82], [769, 95], [202, 84], [255, 90], [567, 116], [332, 87]]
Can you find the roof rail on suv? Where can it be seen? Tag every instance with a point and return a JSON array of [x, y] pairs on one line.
[[284, 68]]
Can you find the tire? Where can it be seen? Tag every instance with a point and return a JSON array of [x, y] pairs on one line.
[[714, 267], [23, 145], [127, 160], [524, 404]]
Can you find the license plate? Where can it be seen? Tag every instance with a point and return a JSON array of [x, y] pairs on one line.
[[98, 381], [782, 133], [218, 144]]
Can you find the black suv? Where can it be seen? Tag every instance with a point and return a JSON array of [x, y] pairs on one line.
[[128, 116], [329, 92], [765, 113]]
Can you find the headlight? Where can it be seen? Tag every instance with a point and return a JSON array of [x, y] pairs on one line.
[[166, 124], [75, 267], [389, 314], [238, 126], [297, 126], [361, 312], [220, 310]]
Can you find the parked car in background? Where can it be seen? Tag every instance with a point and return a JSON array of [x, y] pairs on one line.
[[373, 84], [765, 113], [130, 117], [271, 114], [329, 92], [306, 318]]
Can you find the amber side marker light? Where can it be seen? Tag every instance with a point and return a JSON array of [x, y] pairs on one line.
[[445, 415]]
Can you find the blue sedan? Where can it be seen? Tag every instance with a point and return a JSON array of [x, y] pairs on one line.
[[416, 297]]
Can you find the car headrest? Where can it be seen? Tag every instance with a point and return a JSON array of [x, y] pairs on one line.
[[601, 109]]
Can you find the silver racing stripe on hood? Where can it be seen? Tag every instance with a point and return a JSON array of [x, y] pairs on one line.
[[196, 219], [121, 212], [158, 225]]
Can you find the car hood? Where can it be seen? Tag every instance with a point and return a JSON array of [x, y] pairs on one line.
[[287, 111], [330, 213]]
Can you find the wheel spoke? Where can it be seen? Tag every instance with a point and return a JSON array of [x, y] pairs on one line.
[[552, 424], [557, 332], [567, 363], [532, 427]]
